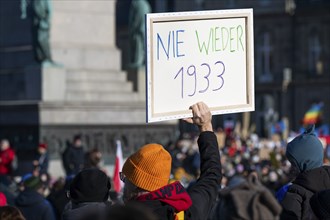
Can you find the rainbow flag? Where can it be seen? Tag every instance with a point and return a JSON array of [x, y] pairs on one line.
[[313, 115]]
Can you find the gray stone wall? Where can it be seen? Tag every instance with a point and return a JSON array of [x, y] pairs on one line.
[[104, 137]]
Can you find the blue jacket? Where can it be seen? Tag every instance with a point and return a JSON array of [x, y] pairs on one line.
[[34, 206]]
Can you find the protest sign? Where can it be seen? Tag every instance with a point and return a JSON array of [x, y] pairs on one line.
[[199, 56]]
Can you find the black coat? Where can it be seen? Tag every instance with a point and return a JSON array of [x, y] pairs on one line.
[[296, 201], [73, 160], [85, 211], [58, 199], [34, 206], [204, 192], [43, 162]]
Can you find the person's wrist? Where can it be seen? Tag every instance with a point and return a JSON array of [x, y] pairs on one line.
[[206, 127]]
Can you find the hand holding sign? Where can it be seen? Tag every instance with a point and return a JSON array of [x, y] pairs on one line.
[[202, 116]]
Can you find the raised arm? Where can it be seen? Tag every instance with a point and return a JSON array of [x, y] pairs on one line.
[[204, 192]]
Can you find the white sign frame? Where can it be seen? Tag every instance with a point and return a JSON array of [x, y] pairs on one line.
[[160, 103]]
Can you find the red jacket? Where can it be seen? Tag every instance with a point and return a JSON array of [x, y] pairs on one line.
[[6, 158]]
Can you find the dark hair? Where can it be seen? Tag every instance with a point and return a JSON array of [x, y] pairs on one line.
[[77, 137], [10, 213]]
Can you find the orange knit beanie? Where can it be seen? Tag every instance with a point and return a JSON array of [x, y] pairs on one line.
[[149, 168]]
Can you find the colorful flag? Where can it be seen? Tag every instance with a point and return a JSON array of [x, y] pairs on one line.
[[313, 115], [118, 184]]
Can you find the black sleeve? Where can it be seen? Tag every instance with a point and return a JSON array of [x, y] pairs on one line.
[[292, 204], [204, 192]]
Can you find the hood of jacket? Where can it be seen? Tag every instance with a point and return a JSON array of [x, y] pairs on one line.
[[29, 197], [314, 180]]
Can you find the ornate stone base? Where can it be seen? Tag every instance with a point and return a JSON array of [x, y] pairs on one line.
[[26, 137], [104, 137]]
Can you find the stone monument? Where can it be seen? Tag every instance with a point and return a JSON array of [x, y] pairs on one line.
[[87, 94], [136, 25], [41, 21]]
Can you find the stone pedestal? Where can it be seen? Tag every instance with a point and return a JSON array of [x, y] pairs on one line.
[[52, 81], [138, 78], [32, 83]]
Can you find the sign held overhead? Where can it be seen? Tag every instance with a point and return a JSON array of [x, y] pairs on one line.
[[199, 56]]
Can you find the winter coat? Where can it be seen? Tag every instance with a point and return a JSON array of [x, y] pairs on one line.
[[6, 158], [73, 160], [34, 206], [58, 199], [248, 200], [296, 200], [85, 211], [43, 162], [173, 198]]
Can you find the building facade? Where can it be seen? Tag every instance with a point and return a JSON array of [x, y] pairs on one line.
[[291, 49]]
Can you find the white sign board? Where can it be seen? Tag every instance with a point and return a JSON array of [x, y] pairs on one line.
[[199, 56]]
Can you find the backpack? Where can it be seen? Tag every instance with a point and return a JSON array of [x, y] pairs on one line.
[[248, 200]]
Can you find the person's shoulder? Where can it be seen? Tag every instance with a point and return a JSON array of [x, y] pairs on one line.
[[46, 203], [320, 171], [326, 168]]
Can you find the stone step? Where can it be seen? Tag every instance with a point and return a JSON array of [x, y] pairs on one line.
[[99, 86], [96, 75], [86, 74], [93, 112], [102, 96]]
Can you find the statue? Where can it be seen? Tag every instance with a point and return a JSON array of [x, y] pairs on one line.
[[136, 24], [41, 19]]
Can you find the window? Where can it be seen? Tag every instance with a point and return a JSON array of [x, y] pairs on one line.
[[315, 63], [264, 58]]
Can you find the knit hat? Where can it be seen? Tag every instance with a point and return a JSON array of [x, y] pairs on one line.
[[149, 168], [3, 199], [320, 203], [33, 182], [43, 145], [90, 185], [305, 151]]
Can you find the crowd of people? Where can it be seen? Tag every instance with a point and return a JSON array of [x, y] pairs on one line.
[[211, 175]]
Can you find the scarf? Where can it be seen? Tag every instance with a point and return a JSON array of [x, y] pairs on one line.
[[173, 194]]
